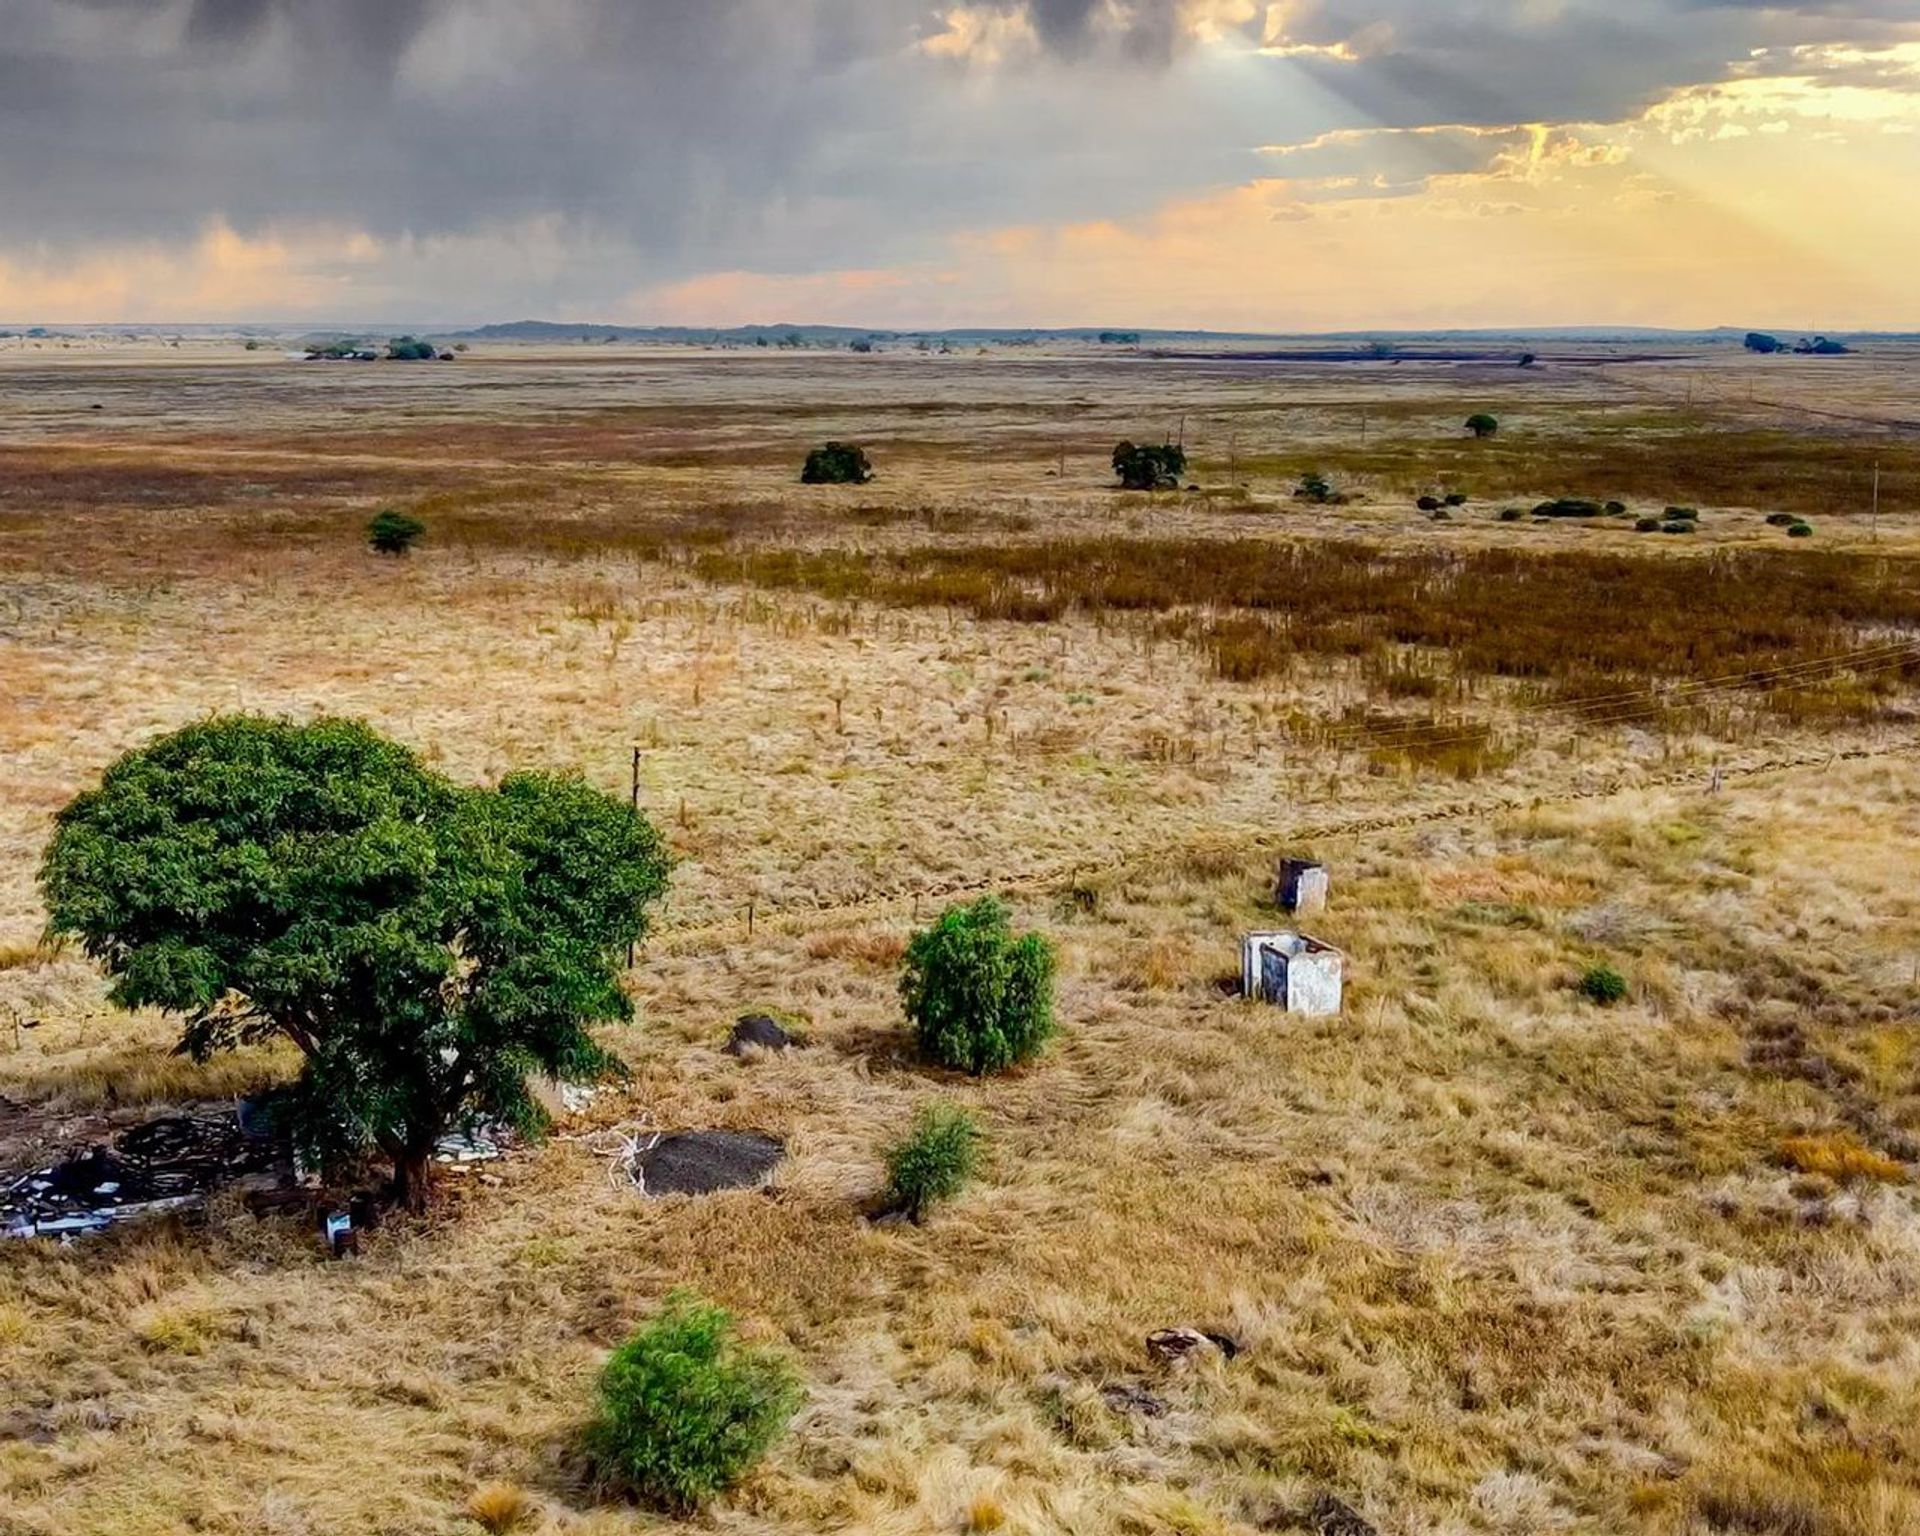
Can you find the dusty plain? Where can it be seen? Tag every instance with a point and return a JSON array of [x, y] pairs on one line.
[[1504, 1261]]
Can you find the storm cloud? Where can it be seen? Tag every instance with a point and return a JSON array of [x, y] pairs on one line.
[[663, 139]]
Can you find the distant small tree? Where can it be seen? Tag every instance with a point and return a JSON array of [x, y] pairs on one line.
[[836, 464], [980, 998], [860, 344], [1760, 341], [1480, 424], [934, 1161], [422, 944], [394, 533], [1527, 359], [686, 1409], [1318, 489], [410, 349], [1149, 467]]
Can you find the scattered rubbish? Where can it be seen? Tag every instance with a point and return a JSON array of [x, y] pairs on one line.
[[1125, 1397], [560, 1098], [459, 1150], [1300, 885], [167, 1164], [701, 1162], [1335, 1517], [754, 1032], [1292, 971], [1182, 1346]]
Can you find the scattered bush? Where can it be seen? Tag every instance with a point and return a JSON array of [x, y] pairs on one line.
[[1317, 488], [1604, 985], [836, 464], [1682, 514], [1679, 525], [980, 998], [394, 533], [934, 1161], [1146, 467], [685, 1409], [1569, 506], [1429, 503], [1441, 515], [1456, 498], [1646, 525], [1799, 530], [410, 349], [1512, 514], [1615, 509], [1480, 424], [1760, 341], [1782, 519]]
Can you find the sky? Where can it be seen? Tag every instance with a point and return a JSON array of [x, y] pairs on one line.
[[1230, 164]]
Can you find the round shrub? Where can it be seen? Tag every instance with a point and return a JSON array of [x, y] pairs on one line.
[[1429, 503], [1456, 498], [1679, 525], [1512, 514], [1782, 519], [934, 1161], [1646, 525], [394, 533], [1682, 514], [1481, 424], [980, 998], [685, 1408], [1604, 985], [1616, 509], [1150, 466], [836, 464], [1799, 530]]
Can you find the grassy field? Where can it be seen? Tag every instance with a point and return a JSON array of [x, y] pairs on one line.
[[1505, 1261]]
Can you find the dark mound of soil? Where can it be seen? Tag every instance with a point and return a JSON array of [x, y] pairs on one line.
[[700, 1162], [757, 1030]]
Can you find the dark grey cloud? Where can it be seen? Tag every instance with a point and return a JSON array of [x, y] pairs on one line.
[[663, 138]]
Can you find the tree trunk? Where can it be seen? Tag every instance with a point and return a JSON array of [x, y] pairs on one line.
[[411, 1166]]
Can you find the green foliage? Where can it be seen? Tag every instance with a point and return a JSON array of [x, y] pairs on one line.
[[1782, 519], [1760, 341], [411, 349], [1682, 514], [980, 998], [1679, 525], [1646, 524], [1481, 424], [424, 945], [1149, 467], [1616, 509], [1511, 514], [685, 1409], [934, 1161], [1569, 506], [394, 533], [1799, 530], [836, 464], [1318, 489], [1604, 985]]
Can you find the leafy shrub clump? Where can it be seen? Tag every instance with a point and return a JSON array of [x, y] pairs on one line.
[[1480, 424], [980, 998], [685, 1408], [1799, 530], [1604, 985], [1429, 503], [1682, 514], [1147, 467], [1569, 506], [394, 533], [1679, 525], [1511, 514], [1646, 525], [837, 464], [1616, 509], [1317, 488], [1456, 498], [1782, 519], [934, 1161]]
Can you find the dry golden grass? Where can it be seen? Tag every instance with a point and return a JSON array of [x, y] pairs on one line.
[[1503, 1262]]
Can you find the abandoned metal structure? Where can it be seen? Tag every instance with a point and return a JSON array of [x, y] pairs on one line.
[[1292, 971], [1300, 885]]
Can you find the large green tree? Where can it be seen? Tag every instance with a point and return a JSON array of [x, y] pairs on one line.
[[425, 945]]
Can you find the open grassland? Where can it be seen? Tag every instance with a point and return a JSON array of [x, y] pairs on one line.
[[1505, 1261]]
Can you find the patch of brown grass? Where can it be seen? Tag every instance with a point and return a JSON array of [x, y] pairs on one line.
[[1841, 1158]]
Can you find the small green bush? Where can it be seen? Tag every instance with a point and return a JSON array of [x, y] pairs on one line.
[[1616, 509], [934, 1161], [1604, 985], [1799, 530], [1480, 424], [1429, 503], [1456, 498], [1679, 525], [394, 533], [685, 1408], [1646, 525], [1149, 467], [1782, 519], [1317, 488], [1512, 514], [1569, 506], [837, 464], [980, 998], [1682, 514]]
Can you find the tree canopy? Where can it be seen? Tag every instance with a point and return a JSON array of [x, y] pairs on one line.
[[1149, 467], [423, 944]]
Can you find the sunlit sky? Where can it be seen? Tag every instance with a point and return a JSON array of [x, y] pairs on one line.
[[1231, 164]]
